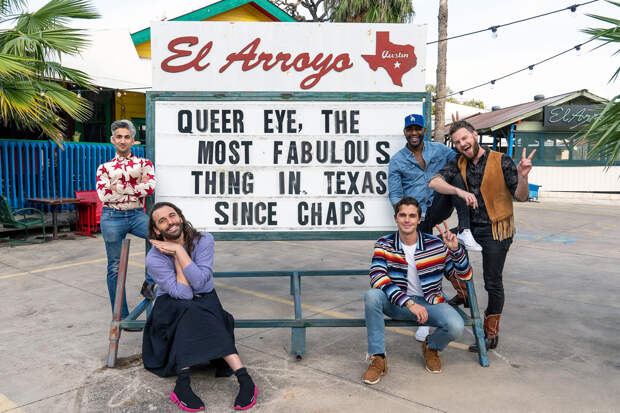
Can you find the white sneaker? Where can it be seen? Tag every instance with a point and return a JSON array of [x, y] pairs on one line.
[[421, 334], [468, 241]]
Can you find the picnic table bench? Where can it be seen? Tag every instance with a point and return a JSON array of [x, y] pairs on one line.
[[297, 325]]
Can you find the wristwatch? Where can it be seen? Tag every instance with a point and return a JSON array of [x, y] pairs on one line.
[[409, 303]]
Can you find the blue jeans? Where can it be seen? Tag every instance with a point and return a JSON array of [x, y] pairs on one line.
[[115, 225], [447, 320]]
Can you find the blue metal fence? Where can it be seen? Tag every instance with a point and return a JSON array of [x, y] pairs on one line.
[[41, 169]]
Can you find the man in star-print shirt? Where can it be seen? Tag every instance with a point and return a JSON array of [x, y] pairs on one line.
[[122, 185]]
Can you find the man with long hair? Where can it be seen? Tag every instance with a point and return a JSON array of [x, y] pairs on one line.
[[188, 326]]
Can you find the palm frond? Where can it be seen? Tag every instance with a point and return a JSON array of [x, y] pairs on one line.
[[55, 14], [370, 11], [604, 134], [14, 66], [30, 54], [54, 70], [43, 43], [8, 7]]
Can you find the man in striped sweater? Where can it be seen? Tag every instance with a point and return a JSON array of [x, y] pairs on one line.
[[405, 275]]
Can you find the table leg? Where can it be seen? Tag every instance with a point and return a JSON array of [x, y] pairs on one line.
[[54, 222]]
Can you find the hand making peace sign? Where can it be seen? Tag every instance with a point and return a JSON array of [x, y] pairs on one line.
[[449, 238], [525, 166]]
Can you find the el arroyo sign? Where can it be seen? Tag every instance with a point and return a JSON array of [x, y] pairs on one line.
[[252, 162], [337, 57]]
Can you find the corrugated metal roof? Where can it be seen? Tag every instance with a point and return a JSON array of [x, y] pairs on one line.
[[497, 119]]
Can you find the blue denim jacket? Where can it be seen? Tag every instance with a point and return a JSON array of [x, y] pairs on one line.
[[407, 178]]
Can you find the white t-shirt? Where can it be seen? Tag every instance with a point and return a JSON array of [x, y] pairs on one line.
[[413, 281]]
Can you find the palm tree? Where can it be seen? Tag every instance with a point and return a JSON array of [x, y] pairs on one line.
[[371, 11], [442, 63], [604, 132], [32, 95]]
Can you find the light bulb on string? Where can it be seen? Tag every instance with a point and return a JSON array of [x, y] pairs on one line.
[[531, 70], [578, 49], [573, 10], [492, 84], [118, 93], [79, 94], [494, 32]]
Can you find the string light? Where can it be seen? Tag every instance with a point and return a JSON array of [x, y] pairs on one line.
[[493, 29], [531, 70], [492, 82]]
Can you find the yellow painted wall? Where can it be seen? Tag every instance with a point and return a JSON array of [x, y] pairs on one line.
[[144, 49], [245, 13], [130, 105]]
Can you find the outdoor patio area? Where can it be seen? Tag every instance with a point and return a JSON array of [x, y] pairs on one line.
[[558, 348]]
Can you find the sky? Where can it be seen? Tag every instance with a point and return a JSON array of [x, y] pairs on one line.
[[472, 59]]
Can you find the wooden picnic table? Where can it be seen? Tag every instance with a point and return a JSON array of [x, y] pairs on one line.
[[54, 202]]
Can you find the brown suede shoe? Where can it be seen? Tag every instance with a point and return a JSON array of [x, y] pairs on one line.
[[376, 369], [431, 357]]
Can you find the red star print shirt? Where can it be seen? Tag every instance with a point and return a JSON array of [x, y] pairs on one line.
[[134, 178]]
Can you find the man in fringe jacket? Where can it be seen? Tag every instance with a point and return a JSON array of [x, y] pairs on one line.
[[492, 180], [405, 275]]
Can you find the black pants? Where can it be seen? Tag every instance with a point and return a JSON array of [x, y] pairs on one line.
[[493, 259], [442, 208]]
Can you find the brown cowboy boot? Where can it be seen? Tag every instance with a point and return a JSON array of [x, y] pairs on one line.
[[461, 293], [491, 332]]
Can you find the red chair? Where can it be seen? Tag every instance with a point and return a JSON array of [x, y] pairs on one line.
[[88, 213]]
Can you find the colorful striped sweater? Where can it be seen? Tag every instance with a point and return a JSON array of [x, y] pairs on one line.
[[388, 270]]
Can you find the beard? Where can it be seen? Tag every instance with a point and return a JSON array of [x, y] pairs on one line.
[[475, 149], [174, 234], [415, 146]]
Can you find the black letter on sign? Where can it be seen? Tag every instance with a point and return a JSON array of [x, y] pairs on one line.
[[196, 175], [219, 208], [205, 152], [381, 178], [185, 121], [359, 209], [386, 156], [302, 208]]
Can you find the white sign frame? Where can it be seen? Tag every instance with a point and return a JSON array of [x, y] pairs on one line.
[[331, 234]]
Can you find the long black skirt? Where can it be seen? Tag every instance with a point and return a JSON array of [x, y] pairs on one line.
[[185, 333]]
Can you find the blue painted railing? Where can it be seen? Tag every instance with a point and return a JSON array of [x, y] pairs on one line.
[[41, 169]]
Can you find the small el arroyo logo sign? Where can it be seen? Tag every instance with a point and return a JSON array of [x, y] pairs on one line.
[[394, 58]]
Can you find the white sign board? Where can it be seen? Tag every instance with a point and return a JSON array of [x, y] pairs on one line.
[[253, 56], [275, 165]]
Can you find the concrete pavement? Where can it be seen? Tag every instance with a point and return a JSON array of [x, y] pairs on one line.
[[559, 339]]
